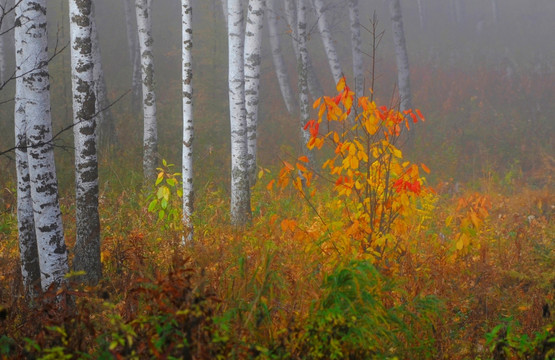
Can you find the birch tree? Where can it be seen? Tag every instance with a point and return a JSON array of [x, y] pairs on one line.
[[253, 39], [188, 134], [134, 56], [356, 46], [3, 13], [277, 57], [150, 136], [87, 242], [291, 14], [403, 72], [106, 130], [240, 189], [28, 251], [303, 73], [52, 253], [327, 39]]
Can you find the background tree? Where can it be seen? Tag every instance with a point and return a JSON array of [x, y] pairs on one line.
[[253, 39], [188, 133], [240, 189], [356, 46], [314, 85], [327, 39], [87, 242], [403, 71], [52, 253], [134, 54], [150, 135], [277, 57], [3, 17]]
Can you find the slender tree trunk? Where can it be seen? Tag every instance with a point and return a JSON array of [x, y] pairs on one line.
[[356, 45], [224, 11], [279, 63], [327, 39], [253, 40], [28, 251], [240, 190], [188, 134], [313, 84], [403, 72], [303, 74], [134, 55], [42, 171], [495, 11], [150, 137], [421, 13], [106, 128], [87, 242], [3, 5]]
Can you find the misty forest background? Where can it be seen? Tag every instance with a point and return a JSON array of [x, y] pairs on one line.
[[486, 87]]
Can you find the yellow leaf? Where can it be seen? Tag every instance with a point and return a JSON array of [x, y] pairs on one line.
[[316, 103], [335, 137], [460, 245], [354, 162], [260, 174], [341, 84]]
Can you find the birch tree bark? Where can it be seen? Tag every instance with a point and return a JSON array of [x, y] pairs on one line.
[[403, 72], [291, 14], [495, 11], [106, 129], [134, 56], [421, 13], [188, 134], [356, 45], [253, 39], [87, 242], [150, 137], [329, 45], [3, 5], [240, 189], [28, 251], [303, 74], [277, 57], [224, 11], [42, 171]]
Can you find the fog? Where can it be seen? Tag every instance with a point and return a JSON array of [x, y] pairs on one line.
[[484, 81]]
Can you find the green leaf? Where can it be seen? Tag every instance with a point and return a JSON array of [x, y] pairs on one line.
[[164, 204], [161, 214], [171, 182], [152, 205]]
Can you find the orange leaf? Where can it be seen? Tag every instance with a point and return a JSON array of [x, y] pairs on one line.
[[270, 185], [304, 159], [425, 168], [289, 166]]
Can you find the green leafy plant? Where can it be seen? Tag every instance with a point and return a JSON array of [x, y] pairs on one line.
[[163, 197]]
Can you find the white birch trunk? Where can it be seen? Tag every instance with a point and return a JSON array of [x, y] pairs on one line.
[[403, 72], [356, 45], [134, 56], [495, 11], [188, 134], [28, 252], [42, 171], [279, 62], [150, 137], [2, 42], [327, 39], [421, 13], [240, 190], [313, 84], [87, 242], [253, 39], [106, 130], [303, 74]]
